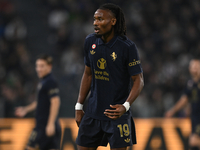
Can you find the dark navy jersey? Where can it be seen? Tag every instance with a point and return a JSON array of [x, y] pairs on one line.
[[112, 65], [47, 88], [193, 93]]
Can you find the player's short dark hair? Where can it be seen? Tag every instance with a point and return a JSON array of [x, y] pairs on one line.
[[120, 26], [46, 58]]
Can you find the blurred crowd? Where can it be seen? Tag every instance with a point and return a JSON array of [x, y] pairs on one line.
[[166, 34], [17, 75]]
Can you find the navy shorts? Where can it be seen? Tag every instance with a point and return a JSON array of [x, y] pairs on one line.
[[196, 126], [38, 138], [118, 133]]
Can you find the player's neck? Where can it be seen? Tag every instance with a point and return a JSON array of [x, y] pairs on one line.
[[46, 75], [107, 37]]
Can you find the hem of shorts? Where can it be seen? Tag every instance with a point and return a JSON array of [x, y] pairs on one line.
[[88, 146]]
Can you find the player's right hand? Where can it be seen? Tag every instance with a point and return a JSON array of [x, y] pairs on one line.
[[20, 112], [78, 116]]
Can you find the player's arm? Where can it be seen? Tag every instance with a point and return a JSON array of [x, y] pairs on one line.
[[22, 111], [183, 101], [84, 90], [118, 110], [53, 113], [138, 84]]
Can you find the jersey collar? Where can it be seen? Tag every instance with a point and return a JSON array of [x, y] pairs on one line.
[[46, 76], [110, 43]]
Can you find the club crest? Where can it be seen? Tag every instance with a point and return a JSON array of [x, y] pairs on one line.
[[114, 56]]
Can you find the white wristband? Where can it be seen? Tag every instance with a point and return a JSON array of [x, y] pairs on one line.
[[79, 106], [126, 105]]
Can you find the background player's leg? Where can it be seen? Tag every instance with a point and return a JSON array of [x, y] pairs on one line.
[[86, 148], [194, 142], [123, 148]]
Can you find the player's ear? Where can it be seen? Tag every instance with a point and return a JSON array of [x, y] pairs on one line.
[[113, 21]]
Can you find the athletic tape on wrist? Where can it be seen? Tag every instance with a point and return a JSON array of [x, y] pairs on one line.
[[79, 106], [126, 105]]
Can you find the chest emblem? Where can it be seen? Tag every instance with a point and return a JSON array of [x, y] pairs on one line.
[[93, 46], [114, 56], [92, 52], [101, 63]]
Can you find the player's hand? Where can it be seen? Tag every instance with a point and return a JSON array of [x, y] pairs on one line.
[[78, 116], [169, 114], [20, 111], [50, 129], [116, 112]]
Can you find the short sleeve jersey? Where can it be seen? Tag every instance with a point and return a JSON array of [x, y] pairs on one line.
[[47, 88], [193, 92], [112, 64]]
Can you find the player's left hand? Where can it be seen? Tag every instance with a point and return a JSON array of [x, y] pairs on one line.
[[116, 112], [50, 130]]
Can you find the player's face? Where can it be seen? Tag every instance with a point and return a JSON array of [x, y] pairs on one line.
[[42, 68], [194, 68], [103, 22]]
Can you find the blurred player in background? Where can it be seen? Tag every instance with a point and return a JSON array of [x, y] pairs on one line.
[[111, 62], [192, 95], [47, 133]]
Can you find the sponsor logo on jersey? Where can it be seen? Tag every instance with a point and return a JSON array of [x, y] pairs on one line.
[[101, 63], [135, 62], [53, 91], [92, 52], [127, 140]]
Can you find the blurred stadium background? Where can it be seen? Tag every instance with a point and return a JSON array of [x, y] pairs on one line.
[[166, 33]]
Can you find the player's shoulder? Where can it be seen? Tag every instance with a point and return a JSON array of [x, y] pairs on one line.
[[51, 81], [91, 36], [90, 40], [125, 41]]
